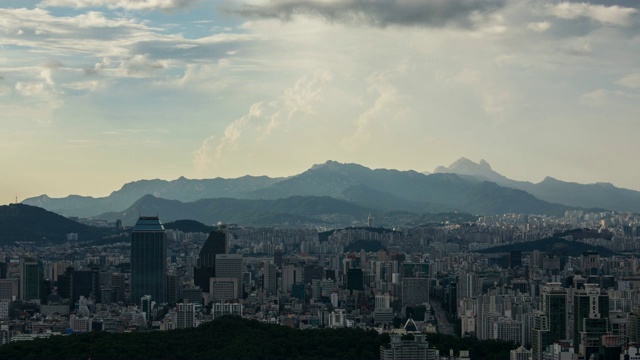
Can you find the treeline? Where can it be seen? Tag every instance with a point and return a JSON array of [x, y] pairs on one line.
[[224, 338], [478, 349], [231, 337]]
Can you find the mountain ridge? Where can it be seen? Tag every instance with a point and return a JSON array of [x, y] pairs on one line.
[[463, 186], [596, 195]]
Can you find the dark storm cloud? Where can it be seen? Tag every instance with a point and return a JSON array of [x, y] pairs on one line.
[[378, 13]]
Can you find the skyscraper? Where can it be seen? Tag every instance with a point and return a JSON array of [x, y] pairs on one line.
[[29, 279], [230, 266], [205, 269], [148, 259], [551, 323]]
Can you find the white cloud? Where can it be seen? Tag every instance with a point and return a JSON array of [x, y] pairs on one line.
[[604, 97], [31, 88], [91, 85], [262, 119], [141, 66], [613, 15], [631, 81], [121, 4], [539, 27], [384, 108]]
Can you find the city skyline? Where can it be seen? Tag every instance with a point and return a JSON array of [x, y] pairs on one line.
[[97, 93]]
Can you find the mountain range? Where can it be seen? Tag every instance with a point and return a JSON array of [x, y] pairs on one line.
[[598, 195], [354, 191]]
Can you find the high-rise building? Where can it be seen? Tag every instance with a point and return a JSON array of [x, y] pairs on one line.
[[29, 279], [515, 259], [186, 315], [215, 244], [551, 322], [224, 289], [508, 329], [270, 279], [148, 259], [147, 305], [291, 274], [633, 325], [231, 266], [76, 283], [9, 289], [117, 283], [173, 288], [415, 290], [590, 319], [355, 281]]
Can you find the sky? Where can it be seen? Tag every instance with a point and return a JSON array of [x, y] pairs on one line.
[[98, 93]]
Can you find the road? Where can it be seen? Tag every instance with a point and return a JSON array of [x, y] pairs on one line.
[[444, 327]]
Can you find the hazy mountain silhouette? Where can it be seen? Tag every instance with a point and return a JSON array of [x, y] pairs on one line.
[[450, 191], [464, 186], [296, 210], [180, 189], [598, 195]]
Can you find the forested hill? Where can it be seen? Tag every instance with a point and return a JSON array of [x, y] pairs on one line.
[[224, 338], [30, 223], [230, 337]]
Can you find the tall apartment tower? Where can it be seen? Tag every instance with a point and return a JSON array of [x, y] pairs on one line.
[[205, 269], [29, 279], [148, 260], [186, 315], [551, 323]]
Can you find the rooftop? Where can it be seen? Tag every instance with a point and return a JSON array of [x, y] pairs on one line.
[[148, 223]]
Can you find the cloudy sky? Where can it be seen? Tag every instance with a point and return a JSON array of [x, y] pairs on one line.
[[96, 93]]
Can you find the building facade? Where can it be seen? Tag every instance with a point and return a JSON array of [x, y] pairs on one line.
[[148, 260]]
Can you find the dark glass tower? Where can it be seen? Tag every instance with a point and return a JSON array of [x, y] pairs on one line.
[[215, 244], [148, 260], [551, 321], [30, 279]]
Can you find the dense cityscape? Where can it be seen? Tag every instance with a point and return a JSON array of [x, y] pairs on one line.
[[311, 180], [550, 303]]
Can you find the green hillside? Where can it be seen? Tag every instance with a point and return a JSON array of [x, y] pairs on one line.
[[231, 337], [29, 223]]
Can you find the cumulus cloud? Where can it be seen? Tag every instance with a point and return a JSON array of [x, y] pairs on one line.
[[262, 119], [378, 13], [383, 108], [612, 15], [121, 4], [141, 66]]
